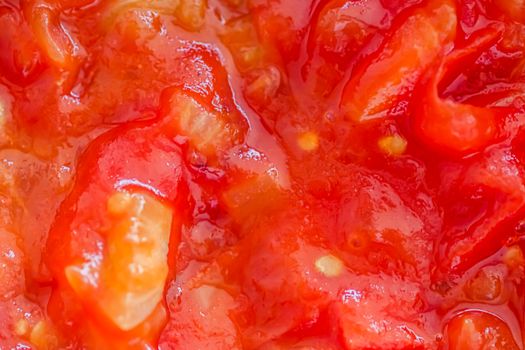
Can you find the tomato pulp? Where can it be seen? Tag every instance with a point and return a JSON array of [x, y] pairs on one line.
[[262, 174]]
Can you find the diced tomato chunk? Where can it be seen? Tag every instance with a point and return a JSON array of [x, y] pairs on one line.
[[281, 28], [20, 58], [241, 37], [344, 26], [449, 126], [476, 330], [55, 41], [134, 269], [110, 241], [488, 285], [208, 131], [393, 71], [191, 13], [494, 195], [257, 194]]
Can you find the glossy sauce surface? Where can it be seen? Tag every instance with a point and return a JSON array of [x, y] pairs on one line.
[[262, 174]]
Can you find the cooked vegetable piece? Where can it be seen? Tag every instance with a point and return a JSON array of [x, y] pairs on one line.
[[209, 132], [133, 272], [487, 285], [493, 193], [111, 239], [191, 13], [450, 126], [392, 72], [21, 60], [475, 330], [55, 40]]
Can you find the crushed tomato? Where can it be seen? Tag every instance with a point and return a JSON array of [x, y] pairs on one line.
[[262, 174]]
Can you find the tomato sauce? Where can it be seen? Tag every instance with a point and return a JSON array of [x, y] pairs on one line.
[[262, 174]]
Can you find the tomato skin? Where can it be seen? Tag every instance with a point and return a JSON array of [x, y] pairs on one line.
[[456, 129]]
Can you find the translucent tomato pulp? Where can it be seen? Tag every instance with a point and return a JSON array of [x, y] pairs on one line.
[[262, 174]]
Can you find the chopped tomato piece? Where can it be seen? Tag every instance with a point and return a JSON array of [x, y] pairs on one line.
[[241, 37], [113, 222], [282, 24], [393, 70], [381, 332], [209, 132], [56, 41], [264, 85], [256, 194], [20, 58], [191, 13], [475, 330], [494, 195], [207, 116], [344, 26], [66, 4], [114, 9], [305, 344], [449, 126], [134, 269]]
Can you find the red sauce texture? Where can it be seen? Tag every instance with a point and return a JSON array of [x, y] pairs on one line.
[[262, 174]]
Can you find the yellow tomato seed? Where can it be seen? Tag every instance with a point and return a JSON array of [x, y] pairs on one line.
[[393, 145], [308, 141], [329, 265]]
